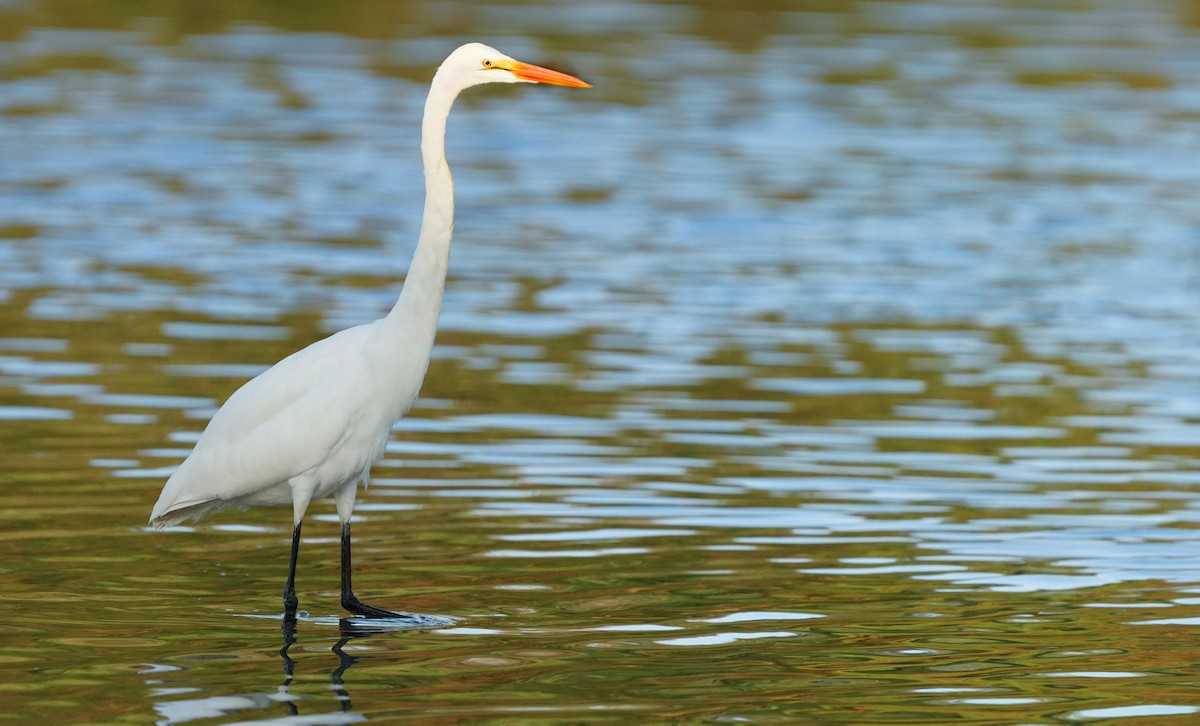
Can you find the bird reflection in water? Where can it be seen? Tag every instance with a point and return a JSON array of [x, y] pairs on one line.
[[348, 629], [174, 710], [345, 660]]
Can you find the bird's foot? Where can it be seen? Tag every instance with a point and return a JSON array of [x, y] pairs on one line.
[[290, 604], [414, 620], [358, 607]]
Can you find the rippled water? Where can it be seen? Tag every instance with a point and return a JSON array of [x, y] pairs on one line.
[[825, 363]]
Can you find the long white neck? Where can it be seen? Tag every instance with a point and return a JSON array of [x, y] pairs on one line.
[[416, 311]]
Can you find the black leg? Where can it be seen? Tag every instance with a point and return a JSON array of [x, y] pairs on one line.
[[349, 601], [290, 601]]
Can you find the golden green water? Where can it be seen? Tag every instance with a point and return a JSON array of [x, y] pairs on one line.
[[825, 363]]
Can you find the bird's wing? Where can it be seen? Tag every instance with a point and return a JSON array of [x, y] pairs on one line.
[[276, 426]]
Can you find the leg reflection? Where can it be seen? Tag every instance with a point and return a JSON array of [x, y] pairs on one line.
[[288, 630], [345, 660], [348, 632], [348, 629]]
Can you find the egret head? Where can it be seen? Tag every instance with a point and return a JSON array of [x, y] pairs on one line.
[[476, 63]]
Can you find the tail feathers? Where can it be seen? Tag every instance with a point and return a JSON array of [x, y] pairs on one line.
[[178, 501], [185, 507]]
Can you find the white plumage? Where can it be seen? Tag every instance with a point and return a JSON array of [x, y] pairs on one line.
[[313, 424]]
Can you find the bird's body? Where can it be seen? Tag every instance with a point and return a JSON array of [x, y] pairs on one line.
[[311, 421], [313, 424]]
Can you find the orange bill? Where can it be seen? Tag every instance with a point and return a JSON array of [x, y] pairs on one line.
[[537, 74]]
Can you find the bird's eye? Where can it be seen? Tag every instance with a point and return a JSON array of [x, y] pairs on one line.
[[487, 64]]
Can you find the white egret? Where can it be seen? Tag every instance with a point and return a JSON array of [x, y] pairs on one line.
[[313, 424]]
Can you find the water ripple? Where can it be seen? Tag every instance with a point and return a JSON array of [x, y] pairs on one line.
[[900, 343]]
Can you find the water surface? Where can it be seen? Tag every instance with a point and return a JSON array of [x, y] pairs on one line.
[[825, 363]]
